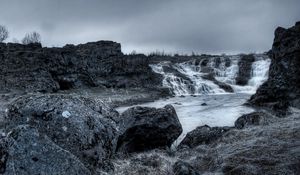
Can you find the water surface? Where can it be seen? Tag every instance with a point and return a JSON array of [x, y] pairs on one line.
[[220, 109]]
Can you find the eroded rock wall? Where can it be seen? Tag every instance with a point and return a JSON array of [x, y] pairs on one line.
[[282, 88], [34, 68]]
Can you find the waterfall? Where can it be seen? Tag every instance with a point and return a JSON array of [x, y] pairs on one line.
[[226, 74], [205, 74], [190, 82], [259, 74], [260, 71]]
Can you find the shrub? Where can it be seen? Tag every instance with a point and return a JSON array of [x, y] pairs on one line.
[[30, 38], [3, 33]]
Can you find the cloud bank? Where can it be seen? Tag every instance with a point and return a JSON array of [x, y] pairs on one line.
[[201, 26]]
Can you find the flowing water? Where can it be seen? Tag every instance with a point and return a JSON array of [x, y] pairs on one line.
[[201, 102], [225, 68], [220, 109]]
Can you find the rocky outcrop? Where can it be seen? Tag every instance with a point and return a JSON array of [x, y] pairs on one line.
[[33, 68], [282, 88], [245, 66], [77, 125], [20, 68], [144, 128], [26, 151], [202, 135]]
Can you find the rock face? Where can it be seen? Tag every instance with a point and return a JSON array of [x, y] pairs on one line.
[[202, 135], [33, 68], [29, 152], [283, 85], [72, 123], [144, 128], [244, 73], [20, 68], [255, 118]]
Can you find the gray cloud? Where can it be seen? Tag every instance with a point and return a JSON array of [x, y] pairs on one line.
[[206, 26]]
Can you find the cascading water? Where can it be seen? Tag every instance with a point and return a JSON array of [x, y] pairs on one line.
[[188, 78], [259, 74], [189, 82], [226, 73], [260, 70], [207, 75]]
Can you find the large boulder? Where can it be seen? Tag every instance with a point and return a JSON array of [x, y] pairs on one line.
[[202, 135], [73, 123], [282, 88], [144, 128], [26, 151]]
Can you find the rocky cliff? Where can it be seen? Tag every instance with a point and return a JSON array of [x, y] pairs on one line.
[[34, 68], [282, 88]]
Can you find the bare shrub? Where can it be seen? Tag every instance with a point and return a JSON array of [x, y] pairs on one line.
[[3, 33], [30, 38]]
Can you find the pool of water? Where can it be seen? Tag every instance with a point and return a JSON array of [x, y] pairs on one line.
[[218, 110]]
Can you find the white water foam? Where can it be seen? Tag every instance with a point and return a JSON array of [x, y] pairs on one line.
[[259, 74], [196, 85]]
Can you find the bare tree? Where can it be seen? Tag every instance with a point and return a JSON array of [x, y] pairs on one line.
[[3, 33], [33, 37]]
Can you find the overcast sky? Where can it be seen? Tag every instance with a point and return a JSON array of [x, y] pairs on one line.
[[182, 26]]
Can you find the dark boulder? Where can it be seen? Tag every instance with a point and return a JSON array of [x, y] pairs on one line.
[[282, 89], [183, 168], [26, 151], [255, 118], [144, 128], [75, 124], [245, 67], [202, 135]]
